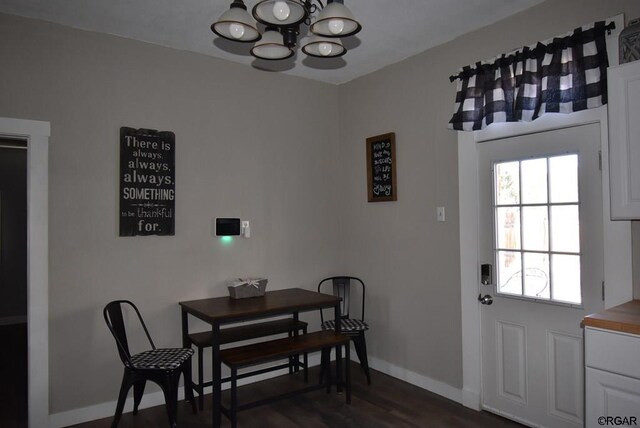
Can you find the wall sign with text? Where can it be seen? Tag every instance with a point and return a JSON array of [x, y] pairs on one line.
[[381, 168], [147, 182]]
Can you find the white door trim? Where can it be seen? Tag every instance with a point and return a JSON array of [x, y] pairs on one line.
[[36, 134]]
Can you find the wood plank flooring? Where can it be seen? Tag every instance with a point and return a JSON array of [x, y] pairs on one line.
[[387, 403]]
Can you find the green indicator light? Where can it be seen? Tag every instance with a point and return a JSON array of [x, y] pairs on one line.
[[226, 240]]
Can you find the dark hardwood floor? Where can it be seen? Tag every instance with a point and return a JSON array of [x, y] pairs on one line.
[[13, 372], [388, 403]]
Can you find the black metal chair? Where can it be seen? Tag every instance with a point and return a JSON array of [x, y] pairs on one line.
[[352, 327], [162, 366]]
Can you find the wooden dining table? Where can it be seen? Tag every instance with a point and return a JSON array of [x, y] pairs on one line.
[[218, 311]]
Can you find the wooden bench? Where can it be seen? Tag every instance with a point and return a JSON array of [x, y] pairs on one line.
[[246, 332], [273, 350]]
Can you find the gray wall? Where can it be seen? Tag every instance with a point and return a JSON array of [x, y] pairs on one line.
[[248, 144], [411, 262]]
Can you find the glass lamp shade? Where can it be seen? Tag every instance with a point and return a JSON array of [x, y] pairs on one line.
[[335, 20], [271, 47], [324, 47], [282, 13], [236, 24]]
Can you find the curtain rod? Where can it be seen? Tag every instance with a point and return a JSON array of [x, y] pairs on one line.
[[531, 51]]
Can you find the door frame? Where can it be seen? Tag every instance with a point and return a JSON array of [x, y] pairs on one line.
[[36, 134], [617, 235]]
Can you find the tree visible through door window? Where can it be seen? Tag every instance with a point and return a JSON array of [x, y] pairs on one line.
[[537, 228]]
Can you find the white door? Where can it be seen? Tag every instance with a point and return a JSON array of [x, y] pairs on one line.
[[541, 230]]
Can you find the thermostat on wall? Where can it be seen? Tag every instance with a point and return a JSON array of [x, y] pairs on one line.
[[227, 226]]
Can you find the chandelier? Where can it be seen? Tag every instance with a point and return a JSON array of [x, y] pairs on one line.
[[282, 20]]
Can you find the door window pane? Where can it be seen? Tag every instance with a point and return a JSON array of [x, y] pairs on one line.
[[566, 278], [535, 226], [536, 275], [508, 225], [565, 228], [563, 175], [507, 176], [534, 181], [509, 272]]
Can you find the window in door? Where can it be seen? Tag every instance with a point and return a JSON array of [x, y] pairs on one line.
[[537, 228]]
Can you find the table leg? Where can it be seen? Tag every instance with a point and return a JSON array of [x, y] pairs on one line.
[[185, 329], [347, 370], [188, 383], [338, 329], [216, 371], [296, 359]]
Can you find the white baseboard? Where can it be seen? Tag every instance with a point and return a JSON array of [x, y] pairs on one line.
[[18, 319], [471, 399], [152, 399], [105, 410], [424, 382]]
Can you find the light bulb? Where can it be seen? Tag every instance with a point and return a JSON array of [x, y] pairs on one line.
[[236, 30], [281, 10], [336, 26], [325, 48]]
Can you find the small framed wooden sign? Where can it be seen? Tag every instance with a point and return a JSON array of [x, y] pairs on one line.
[[147, 182], [381, 168]]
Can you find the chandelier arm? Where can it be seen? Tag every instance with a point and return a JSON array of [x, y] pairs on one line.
[[312, 8]]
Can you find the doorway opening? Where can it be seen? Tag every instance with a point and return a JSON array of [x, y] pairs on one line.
[[13, 283]]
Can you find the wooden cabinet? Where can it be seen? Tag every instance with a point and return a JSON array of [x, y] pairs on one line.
[[624, 140], [612, 360]]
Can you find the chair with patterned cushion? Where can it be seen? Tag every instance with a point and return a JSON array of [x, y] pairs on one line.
[[161, 366], [342, 286]]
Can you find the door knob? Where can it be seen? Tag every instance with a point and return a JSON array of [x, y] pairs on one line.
[[485, 300]]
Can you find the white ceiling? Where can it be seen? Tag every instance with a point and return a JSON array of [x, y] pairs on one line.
[[392, 29]]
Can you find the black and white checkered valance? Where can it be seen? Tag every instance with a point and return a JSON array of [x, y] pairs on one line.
[[566, 75]]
